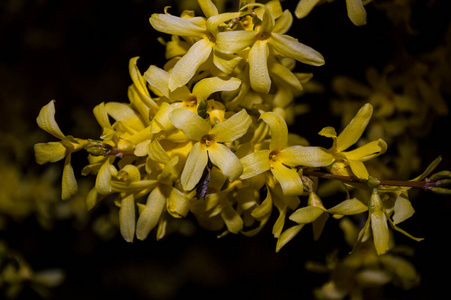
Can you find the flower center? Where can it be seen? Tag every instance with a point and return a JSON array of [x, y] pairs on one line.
[[263, 35], [207, 140], [273, 156]]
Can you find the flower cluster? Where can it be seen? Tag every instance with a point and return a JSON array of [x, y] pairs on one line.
[[207, 135]]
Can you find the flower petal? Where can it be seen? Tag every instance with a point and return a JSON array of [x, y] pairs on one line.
[[177, 26], [232, 219], [258, 67], [358, 168], [69, 186], [49, 152], [356, 12], [157, 153], [305, 156], [101, 115], [225, 160], [255, 163], [291, 47], [127, 218], [381, 234], [185, 68], [354, 130], [279, 130], [288, 178], [177, 204], [205, 87], [288, 235], [232, 42], [126, 114], [191, 124], [306, 214], [304, 7], [233, 128], [46, 120], [194, 167], [348, 207], [103, 179], [148, 218], [403, 208], [283, 23], [208, 8], [367, 151]]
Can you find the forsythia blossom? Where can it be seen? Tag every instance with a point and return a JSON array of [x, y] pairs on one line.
[[208, 135]]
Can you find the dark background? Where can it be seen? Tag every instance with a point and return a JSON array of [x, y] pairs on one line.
[[77, 53]]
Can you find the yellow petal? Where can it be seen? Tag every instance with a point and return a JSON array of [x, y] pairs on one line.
[[281, 73], [304, 7], [205, 87], [356, 12], [92, 198], [101, 115], [348, 207], [359, 169], [157, 153], [124, 113], [287, 236], [46, 120], [69, 186], [367, 151], [233, 128], [177, 204], [161, 119], [232, 42], [306, 214], [283, 23], [279, 130], [258, 67], [255, 163], [194, 167], [225, 160], [158, 79], [103, 179], [127, 218], [208, 8], [291, 47], [288, 179], [137, 78], [177, 26], [149, 217], [232, 219], [403, 208], [328, 132], [381, 234], [226, 62], [49, 152], [191, 124], [187, 66], [354, 130], [305, 156]]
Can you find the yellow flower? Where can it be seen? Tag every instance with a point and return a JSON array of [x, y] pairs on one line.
[[379, 220], [266, 38], [182, 96], [356, 11], [203, 31], [209, 144], [280, 159], [348, 137], [56, 151]]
